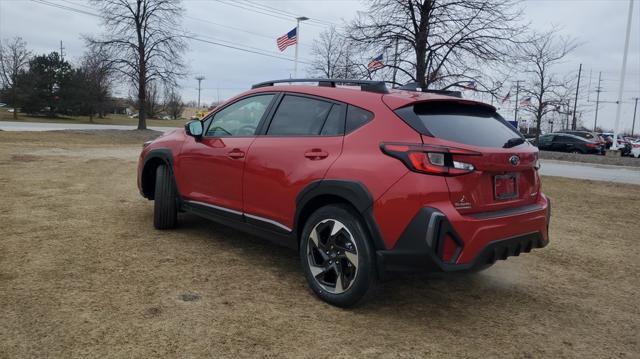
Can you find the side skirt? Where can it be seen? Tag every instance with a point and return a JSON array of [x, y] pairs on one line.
[[263, 228]]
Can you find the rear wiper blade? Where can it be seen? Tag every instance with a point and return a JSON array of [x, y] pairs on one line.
[[513, 142]]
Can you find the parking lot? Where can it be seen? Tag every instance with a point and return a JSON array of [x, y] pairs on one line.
[[84, 274]]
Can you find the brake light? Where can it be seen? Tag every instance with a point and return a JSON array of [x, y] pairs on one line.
[[592, 145], [434, 160]]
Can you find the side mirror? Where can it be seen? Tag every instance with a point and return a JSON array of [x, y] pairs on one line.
[[194, 128]]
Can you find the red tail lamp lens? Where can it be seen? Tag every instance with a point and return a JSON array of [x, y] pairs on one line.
[[435, 160]]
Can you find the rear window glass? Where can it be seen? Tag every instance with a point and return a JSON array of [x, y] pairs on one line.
[[471, 125]]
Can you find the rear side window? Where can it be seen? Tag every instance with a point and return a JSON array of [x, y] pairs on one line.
[[471, 125], [571, 139], [299, 116], [545, 140], [356, 117]]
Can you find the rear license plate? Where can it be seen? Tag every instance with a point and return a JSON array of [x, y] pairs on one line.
[[505, 186]]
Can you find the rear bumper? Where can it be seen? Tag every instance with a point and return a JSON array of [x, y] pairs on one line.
[[422, 245]]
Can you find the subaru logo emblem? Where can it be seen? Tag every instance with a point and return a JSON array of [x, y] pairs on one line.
[[514, 160]]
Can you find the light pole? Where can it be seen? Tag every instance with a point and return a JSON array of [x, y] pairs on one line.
[[295, 63], [199, 78], [616, 129], [635, 109]]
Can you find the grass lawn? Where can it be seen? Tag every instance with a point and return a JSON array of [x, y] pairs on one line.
[[84, 274], [109, 120]]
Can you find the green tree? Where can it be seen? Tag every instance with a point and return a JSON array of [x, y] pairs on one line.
[[43, 83]]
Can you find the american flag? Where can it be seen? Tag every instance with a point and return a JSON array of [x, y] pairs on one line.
[[526, 101], [469, 85], [506, 97], [288, 39], [375, 64]]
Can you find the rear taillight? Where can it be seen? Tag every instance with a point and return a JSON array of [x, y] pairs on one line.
[[592, 145], [435, 160]]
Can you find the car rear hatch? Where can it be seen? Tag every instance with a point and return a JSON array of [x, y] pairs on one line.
[[504, 173]]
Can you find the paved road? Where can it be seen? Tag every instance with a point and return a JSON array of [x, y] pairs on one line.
[[549, 167], [45, 126], [621, 174]]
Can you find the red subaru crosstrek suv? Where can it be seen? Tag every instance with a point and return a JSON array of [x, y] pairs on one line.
[[362, 180]]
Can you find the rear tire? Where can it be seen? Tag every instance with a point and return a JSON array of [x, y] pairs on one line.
[[165, 206], [337, 256]]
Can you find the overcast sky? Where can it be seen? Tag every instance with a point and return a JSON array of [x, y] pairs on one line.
[[598, 25]]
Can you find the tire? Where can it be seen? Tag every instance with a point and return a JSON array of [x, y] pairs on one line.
[[165, 206], [577, 152], [339, 265]]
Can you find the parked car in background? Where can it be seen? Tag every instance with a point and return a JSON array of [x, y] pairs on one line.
[[635, 149], [564, 142], [623, 145], [591, 136]]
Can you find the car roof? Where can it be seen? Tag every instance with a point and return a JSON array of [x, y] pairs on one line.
[[394, 99], [569, 135]]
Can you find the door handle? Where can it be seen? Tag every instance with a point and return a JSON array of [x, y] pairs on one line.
[[236, 153], [316, 154]]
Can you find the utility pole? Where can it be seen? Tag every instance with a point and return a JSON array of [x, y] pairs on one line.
[[598, 90], [616, 129], [199, 78], [575, 101], [295, 63], [61, 52], [395, 63], [635, 109]]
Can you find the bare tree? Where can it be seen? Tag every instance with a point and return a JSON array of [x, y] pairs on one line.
[[547, 90], [153, 105], [14, 58], [173, 104], [97, 68], [333, 56], [145, 37], [441, 43]]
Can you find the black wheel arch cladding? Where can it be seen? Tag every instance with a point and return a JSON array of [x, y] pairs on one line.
[[351, 192], [151, 161]]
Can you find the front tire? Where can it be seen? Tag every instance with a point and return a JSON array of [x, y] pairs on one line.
[[165, 206], [337, 256]]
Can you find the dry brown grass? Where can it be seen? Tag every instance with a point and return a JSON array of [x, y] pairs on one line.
[[84, 274], [108, 120]]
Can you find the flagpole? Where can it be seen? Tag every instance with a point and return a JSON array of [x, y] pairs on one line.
[[295, 63]]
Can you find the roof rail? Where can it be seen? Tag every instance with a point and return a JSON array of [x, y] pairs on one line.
[[414, 86], [365, 85]]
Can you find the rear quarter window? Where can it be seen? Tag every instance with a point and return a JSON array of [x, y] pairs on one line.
[[467, 124], [356, 118]]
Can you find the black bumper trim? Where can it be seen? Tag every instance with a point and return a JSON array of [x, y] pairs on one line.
[[420, 247]]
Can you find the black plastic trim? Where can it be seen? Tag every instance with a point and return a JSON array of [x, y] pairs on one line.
[[351, 191], [163, 154], [507, 212], [420, 246], [244, 224]]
